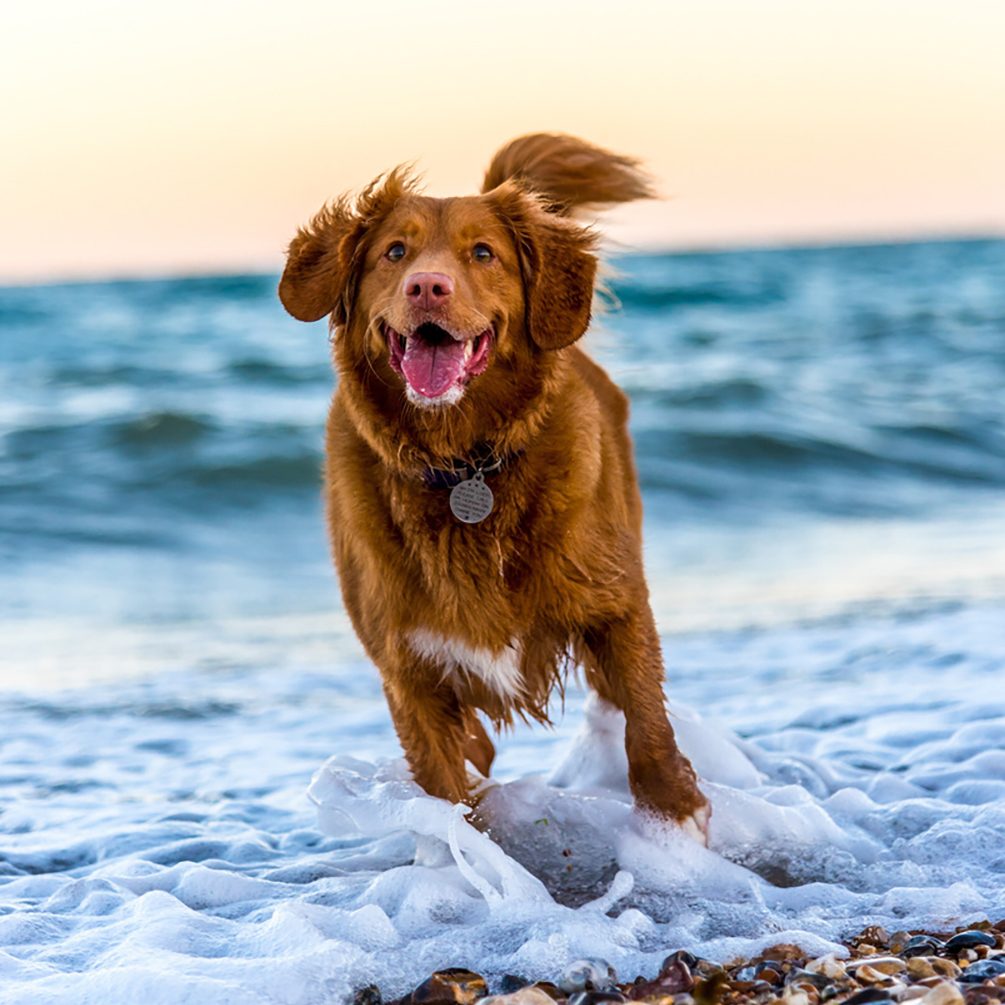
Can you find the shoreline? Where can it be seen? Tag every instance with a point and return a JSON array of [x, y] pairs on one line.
[[965, 966]]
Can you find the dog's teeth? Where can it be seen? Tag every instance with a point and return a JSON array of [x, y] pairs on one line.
[[469, 348]]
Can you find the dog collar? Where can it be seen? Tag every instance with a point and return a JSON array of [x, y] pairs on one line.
[[462, 469]]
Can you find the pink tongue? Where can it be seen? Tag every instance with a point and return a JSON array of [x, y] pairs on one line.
[[433, 369]]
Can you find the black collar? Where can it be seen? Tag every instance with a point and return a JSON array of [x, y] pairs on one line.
[[483, 458]]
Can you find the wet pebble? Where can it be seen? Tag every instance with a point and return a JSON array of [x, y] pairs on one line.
[[801, 992], [873, 935], [884, 964], [595, 997], [754, 989], [898, 941], [814, 979], [940, 966], [511, 983], [454, 985], [793, 996], [681, 956], [983, 970], [867, 995], [969, 940], [674, 978], [770, 971], [870, 975], [944, 993], [981, 994], [588, 975], [531, 995], [921, 945], [829, 965], [552, 990], [918, 968]]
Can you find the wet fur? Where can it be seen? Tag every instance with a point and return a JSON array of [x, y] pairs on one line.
[[557, 564]]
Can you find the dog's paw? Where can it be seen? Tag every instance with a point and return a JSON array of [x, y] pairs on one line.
[[696, 825]]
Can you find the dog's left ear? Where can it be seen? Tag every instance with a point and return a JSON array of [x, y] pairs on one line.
[[560, 284], [558, 264]]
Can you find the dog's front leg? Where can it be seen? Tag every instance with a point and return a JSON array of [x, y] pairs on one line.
[[625, 667], [432, 726]]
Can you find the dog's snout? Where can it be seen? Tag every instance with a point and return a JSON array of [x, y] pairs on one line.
[[428, 289]]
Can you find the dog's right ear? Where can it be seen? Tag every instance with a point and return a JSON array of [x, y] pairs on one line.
[[324, 259], [319, 264]]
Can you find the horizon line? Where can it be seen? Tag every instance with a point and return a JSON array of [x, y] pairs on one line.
[[611, 250]]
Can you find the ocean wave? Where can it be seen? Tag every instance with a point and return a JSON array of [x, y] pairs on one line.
[[777, 380], [18, 309], [289, 472], [93, 374], [105, 443], [949, 455], [266, 371], [62, 473], [161, 429], [54, 710], [164, 457], [731, 391], [171, 291], [659, 298]]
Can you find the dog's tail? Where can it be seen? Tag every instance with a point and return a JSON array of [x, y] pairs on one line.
[[568, 173]]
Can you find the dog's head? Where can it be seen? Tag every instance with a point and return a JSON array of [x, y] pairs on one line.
[[433, 293]]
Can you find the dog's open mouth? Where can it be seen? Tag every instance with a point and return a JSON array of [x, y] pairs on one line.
[[433, 361]]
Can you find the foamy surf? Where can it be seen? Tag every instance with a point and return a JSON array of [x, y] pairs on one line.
[[158, 845], [784, 865]]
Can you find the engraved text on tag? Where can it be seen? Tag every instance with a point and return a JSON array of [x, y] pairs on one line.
[[471, 500]]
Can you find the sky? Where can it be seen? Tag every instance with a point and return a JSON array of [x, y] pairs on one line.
[[165, 138]]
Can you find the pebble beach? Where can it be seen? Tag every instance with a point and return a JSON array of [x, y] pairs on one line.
[[966, 967]]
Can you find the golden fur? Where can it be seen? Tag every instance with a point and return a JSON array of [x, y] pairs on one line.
[[554, 573]]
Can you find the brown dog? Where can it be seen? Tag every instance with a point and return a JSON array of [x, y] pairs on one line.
[[482, 497]]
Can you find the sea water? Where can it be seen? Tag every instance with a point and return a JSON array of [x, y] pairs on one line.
[[201, 795]]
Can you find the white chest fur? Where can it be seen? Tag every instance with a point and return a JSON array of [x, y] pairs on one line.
[[499, 671]]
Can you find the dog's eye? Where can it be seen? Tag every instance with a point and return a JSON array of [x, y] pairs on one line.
[[396, 252], [482, 253]]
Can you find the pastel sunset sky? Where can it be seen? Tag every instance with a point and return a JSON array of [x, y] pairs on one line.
[[162, 138]]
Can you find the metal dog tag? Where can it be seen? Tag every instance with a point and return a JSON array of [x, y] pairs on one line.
[[471, 500]]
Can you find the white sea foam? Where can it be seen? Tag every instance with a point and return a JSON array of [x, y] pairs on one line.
[[159, 846]]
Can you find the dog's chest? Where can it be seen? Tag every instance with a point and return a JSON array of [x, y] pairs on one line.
[[498, 670]]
